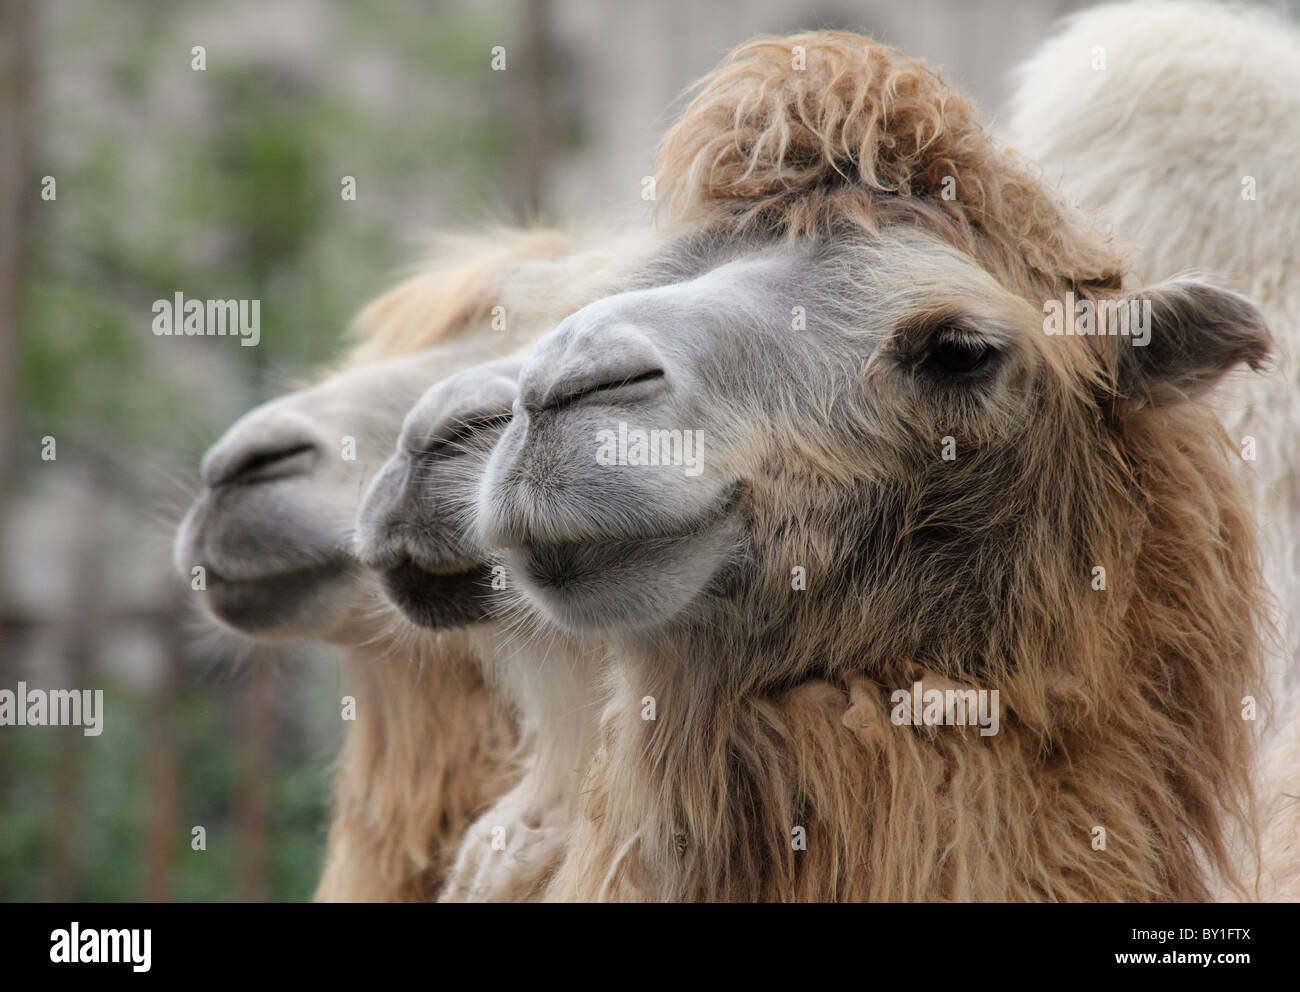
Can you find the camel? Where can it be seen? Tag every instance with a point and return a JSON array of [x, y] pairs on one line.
[[415, 531], [908, 481], [1174, 71], [272, 528]]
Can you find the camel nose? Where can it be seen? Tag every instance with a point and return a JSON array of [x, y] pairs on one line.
[[591, 364], [271, 444]]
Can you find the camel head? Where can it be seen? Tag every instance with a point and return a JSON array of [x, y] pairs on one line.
[[792, 408], [850, 430], [272, 526], [415, 527]]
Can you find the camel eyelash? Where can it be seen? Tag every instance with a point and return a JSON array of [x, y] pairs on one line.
[[948, 351]]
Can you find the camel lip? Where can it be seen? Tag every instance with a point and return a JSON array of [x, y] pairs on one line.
[[565, 568], [614, 544], [268, 604], [330, 565], [720, 513]]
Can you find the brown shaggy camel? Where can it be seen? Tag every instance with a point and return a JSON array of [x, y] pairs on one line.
[[430, 745], [907, 477]]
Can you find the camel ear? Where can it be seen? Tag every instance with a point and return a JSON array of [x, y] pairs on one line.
[[1184, 336]]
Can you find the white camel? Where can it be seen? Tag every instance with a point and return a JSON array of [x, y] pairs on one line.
[[272, 531]]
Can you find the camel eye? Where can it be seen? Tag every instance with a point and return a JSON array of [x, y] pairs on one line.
[[958, 355]]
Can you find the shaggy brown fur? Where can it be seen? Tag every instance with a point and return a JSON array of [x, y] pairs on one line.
[[1120, 709], [452, 295], [860, 128], [430, 748]]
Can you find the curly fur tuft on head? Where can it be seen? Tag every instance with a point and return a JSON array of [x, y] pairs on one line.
[[804, 133]]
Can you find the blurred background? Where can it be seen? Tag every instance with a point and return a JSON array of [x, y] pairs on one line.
[[225, 183]]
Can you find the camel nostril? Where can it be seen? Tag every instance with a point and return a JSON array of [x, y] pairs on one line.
[[262, 464], [606, 388]]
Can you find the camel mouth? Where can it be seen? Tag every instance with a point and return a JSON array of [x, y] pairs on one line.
[[437, 600], [610, 549], [719, 513], [282, 576], [565, 566], [626, 582], [266, 603], [606, 535]]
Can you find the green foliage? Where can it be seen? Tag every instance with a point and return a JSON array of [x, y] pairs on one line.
[[107, 829], [225, 184]]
